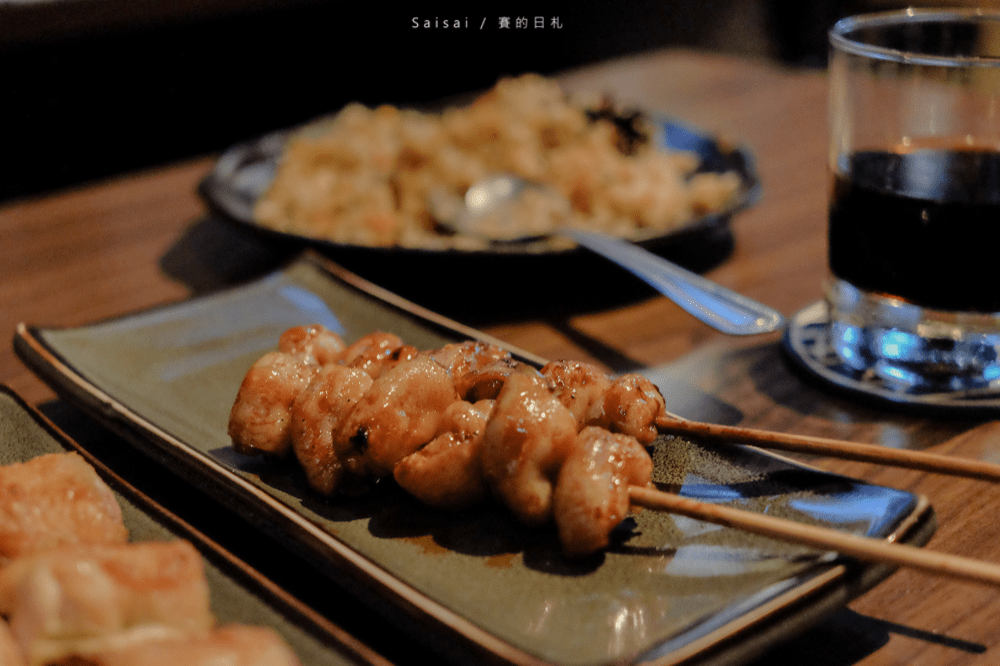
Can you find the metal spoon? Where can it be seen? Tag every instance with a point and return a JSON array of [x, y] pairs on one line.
[[711, 303]]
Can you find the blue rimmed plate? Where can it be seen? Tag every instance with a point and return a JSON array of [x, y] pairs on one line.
[[519, 274], [244, 172]]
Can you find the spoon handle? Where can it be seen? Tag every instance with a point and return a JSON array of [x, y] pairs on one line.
[[711, 303]]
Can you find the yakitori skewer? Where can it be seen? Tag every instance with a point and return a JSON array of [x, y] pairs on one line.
[[869, 453], [862, 548], [565, 444]]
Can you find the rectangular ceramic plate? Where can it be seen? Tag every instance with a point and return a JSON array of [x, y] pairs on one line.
[[238, 593], [669, 590]]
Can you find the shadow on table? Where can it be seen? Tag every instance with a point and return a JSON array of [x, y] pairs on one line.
[[774, 374], [212, 255], [738, 371], [846, 638], [475, 290]]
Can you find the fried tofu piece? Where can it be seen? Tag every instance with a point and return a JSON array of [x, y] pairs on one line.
[[10, 653], [83, 598], [230, 645], [52, 500]]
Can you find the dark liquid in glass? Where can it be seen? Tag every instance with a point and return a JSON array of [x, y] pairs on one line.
[[923, 226]]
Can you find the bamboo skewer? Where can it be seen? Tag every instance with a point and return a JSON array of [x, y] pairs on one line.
[[870, 453], [862, 548]]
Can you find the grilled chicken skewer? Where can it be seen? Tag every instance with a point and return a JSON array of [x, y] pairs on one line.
[[564, 444]]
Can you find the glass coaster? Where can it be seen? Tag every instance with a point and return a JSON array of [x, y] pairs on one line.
[[807, 341]]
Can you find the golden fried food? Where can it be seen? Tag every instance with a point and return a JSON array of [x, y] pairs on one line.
[[78, 599], [74, 591], [230, 645], [53, 500]]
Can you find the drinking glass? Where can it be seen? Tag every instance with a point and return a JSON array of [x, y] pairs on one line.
[[912, 303]]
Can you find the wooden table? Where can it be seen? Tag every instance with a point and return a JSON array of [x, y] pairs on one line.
[[146, 239]]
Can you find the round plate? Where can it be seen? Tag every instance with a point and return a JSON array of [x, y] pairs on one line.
[[245, 171], [806, 341], [526, 279]]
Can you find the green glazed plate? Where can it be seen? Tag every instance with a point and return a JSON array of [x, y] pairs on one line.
[[475, 585], [238, 593]]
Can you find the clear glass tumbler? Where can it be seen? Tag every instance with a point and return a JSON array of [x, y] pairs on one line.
[[914, 212]]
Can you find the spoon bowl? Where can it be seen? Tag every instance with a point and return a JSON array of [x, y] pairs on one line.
[[486, 213]]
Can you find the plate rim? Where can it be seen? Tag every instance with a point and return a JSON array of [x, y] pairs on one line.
[[844, 579]]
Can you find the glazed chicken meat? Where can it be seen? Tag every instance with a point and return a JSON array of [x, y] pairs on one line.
[[454, 426], [74, 589], [55, 500]]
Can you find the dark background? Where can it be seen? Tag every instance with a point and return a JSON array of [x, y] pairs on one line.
[[92, 88]]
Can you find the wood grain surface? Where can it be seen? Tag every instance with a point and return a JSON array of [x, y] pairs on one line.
[[110, 248]]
